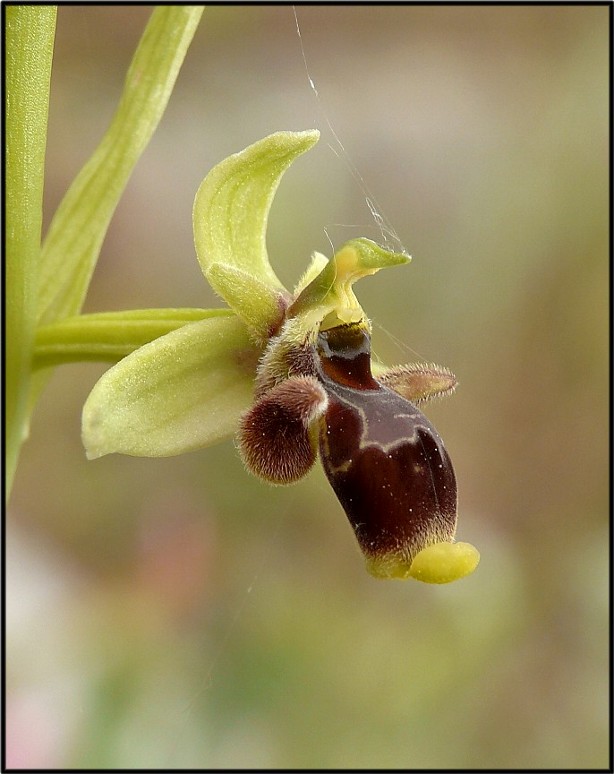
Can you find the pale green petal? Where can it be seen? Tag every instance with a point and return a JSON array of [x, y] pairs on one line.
[[317, 264], [181, 392], [328, 300], [230, 215], [331, 289], [252, 296], [371, 256]]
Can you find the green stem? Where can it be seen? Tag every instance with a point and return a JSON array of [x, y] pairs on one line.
[[30, 32], [109, 336]]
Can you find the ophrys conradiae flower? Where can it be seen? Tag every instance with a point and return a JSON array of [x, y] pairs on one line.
[[291, 374]]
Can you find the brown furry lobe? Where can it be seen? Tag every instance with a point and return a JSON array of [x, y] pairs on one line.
[[274, 439]]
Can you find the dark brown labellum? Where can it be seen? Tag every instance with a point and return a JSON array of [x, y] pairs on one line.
[[385, 461]]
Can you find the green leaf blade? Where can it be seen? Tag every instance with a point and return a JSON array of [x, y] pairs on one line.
[[79, 226], [30, 33]]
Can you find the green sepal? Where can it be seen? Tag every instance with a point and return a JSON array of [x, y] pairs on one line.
[[230, 217], [179, 393]]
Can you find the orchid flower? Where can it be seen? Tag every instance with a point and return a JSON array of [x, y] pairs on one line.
[[290, 376]]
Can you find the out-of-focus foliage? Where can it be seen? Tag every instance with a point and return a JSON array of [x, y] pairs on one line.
[[178, 612]]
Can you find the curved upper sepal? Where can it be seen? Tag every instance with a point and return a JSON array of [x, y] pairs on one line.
[[230, 217]]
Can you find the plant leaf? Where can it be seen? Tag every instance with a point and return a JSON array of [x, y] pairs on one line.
[[80, 223], [30, 32], [181, 392], [230, 216]]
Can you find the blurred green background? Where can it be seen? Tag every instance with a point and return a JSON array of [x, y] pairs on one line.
[[178, 612]]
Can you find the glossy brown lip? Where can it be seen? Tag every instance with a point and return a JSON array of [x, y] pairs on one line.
[[384, 459]]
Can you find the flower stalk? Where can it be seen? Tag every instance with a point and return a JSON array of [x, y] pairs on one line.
[[109, 336]]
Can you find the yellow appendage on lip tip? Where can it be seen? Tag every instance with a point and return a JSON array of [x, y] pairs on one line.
[[444, 562], [439, 563]]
